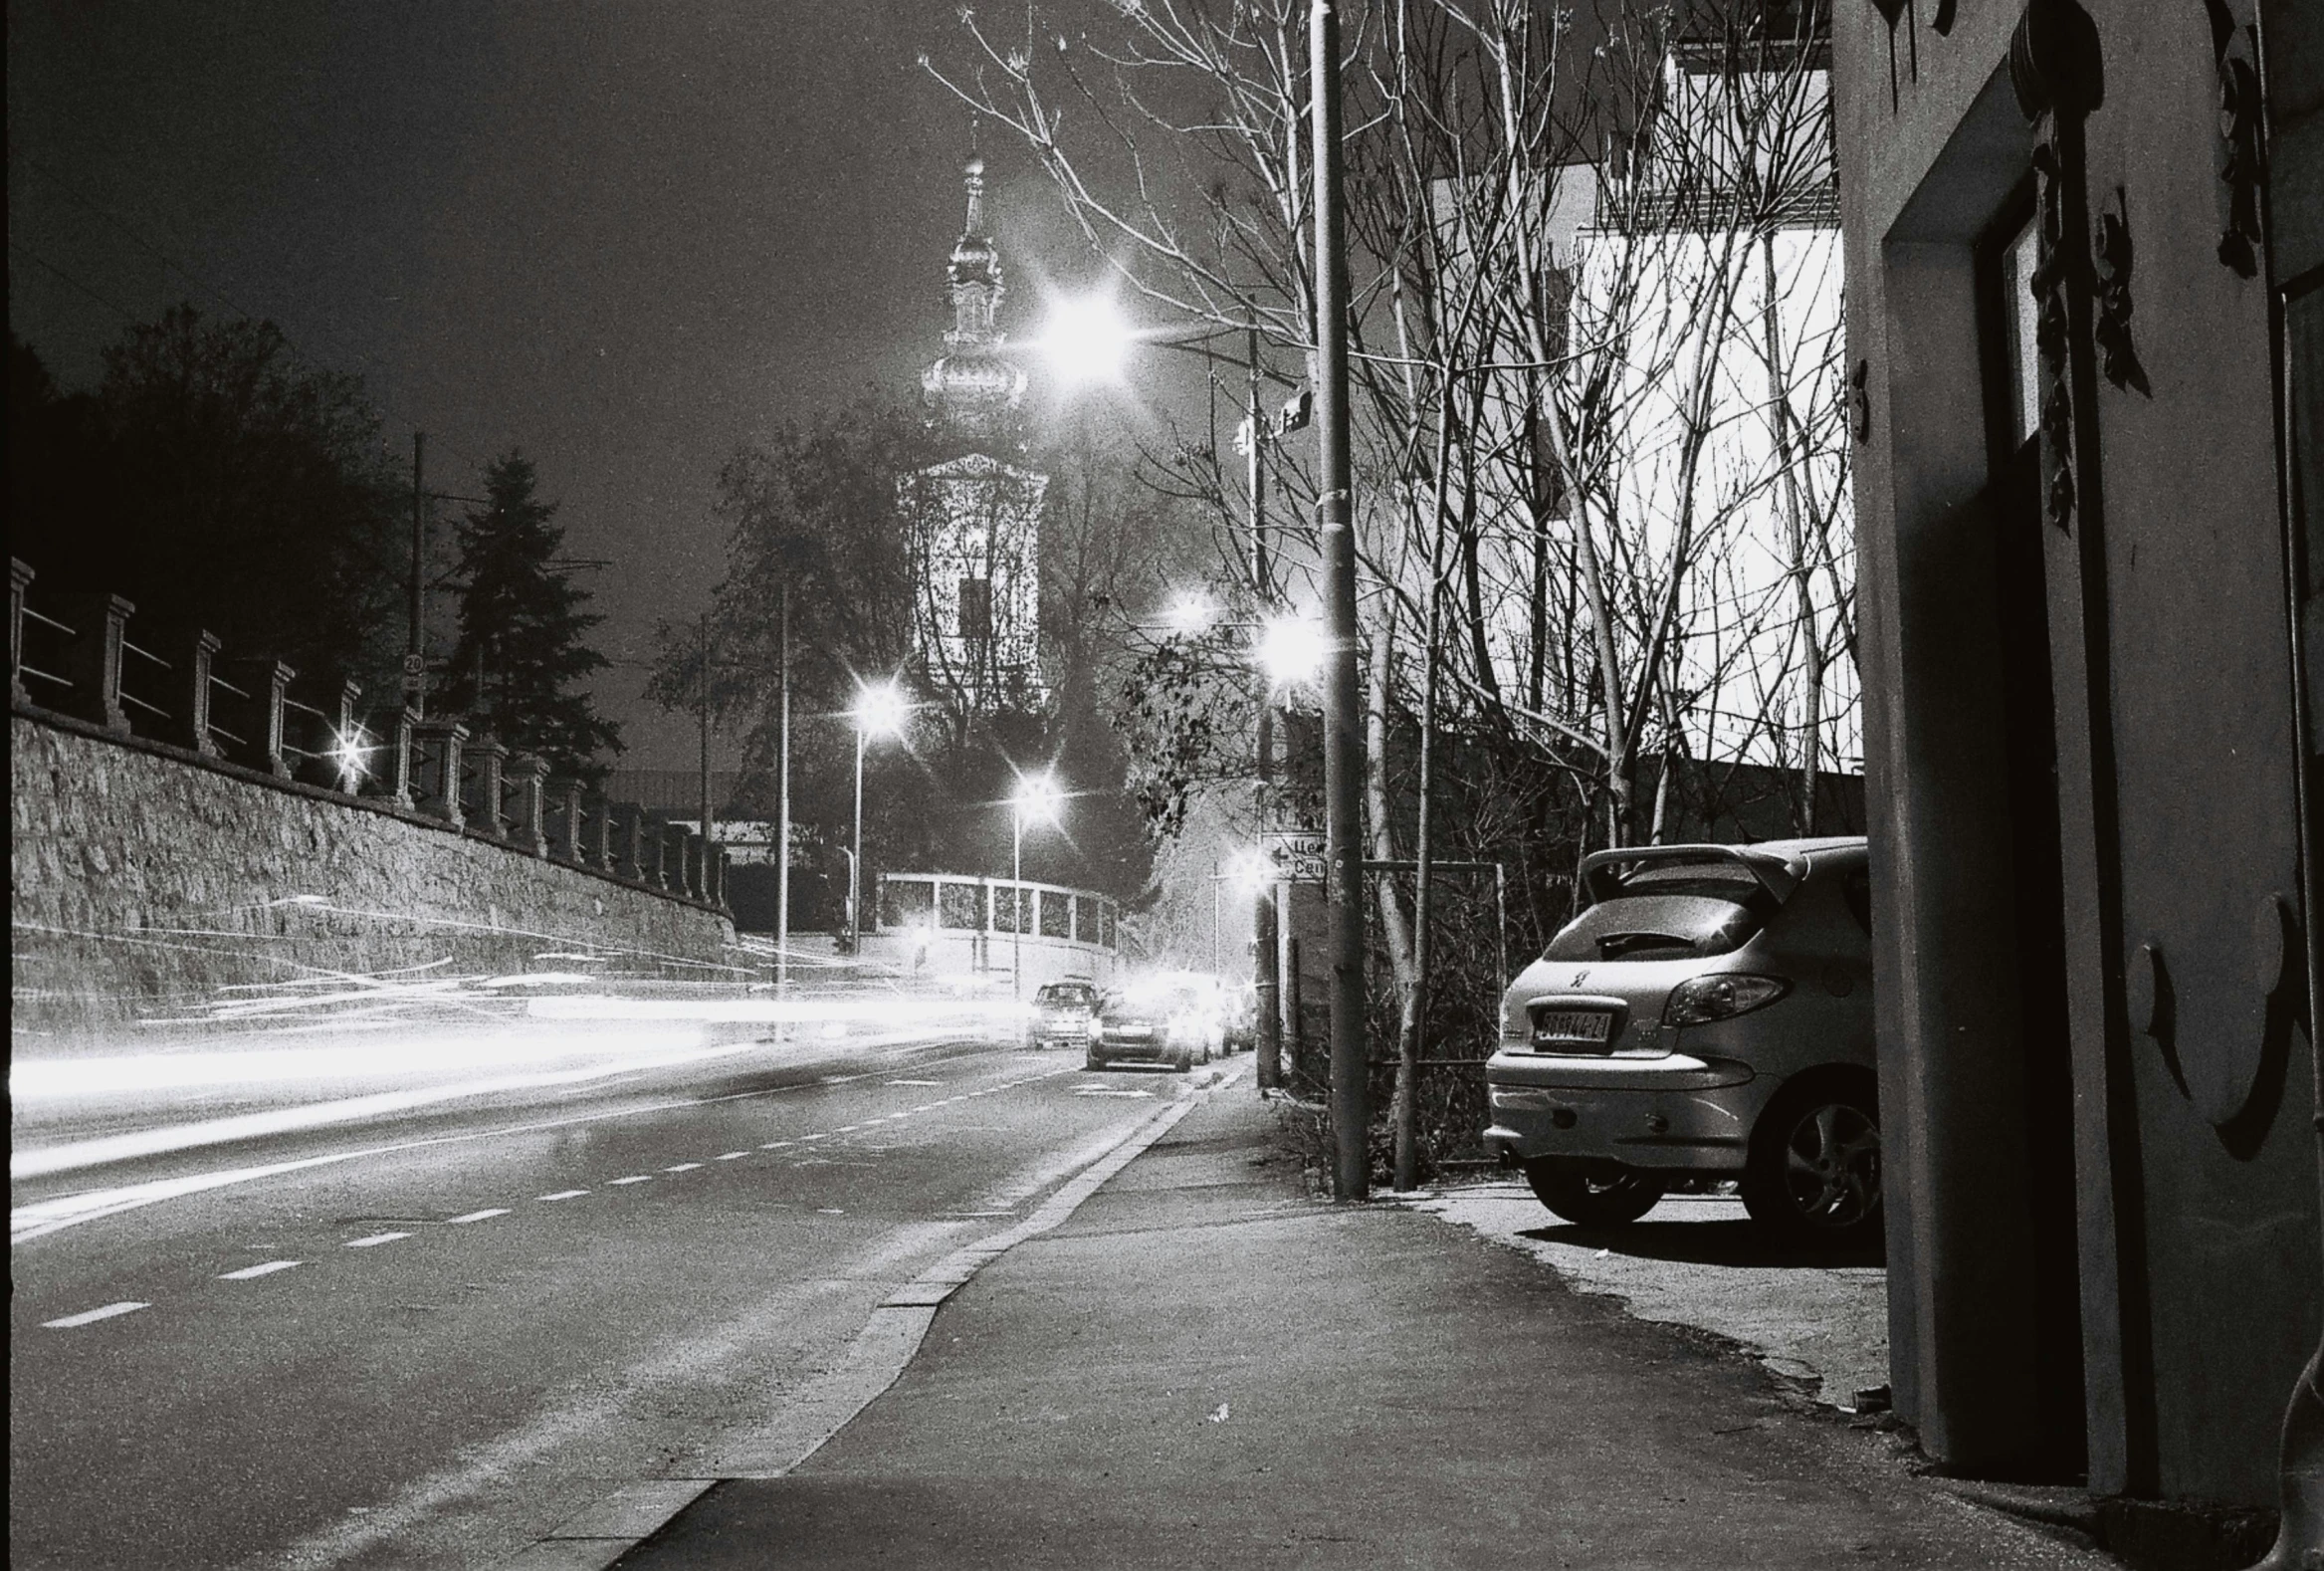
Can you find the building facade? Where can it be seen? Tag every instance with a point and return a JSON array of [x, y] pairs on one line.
[[975, 517], [2084, 324]]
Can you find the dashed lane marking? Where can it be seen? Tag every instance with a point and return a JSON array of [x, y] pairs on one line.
[[92, 1316], [374, 1240]]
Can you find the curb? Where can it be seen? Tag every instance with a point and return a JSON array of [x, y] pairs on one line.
[[601, 1533]]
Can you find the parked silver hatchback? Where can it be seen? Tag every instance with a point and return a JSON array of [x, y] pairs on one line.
[[1709, 1015]]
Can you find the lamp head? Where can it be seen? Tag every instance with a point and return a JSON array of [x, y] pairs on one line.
[[880, 709], [1191, 613], [1086, 341], [1292, 650], [1037, 798]]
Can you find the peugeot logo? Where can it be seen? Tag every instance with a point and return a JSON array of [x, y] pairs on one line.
[[1580, 976]]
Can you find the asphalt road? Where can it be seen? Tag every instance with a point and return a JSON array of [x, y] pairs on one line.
[[424, 1338]]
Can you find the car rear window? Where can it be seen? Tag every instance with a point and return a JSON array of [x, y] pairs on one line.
[[1659, 926]]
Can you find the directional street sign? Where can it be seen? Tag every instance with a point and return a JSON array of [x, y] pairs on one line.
[[1298, 856]]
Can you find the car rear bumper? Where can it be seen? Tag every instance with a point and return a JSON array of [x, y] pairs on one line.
[[1674, 1112]]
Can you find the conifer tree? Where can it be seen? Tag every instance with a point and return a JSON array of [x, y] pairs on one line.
[[521, 653]]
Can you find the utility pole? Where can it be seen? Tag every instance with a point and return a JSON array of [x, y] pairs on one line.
[[1266, 959], [415, 658], [783, 827], [703, 640], [1334, 520]]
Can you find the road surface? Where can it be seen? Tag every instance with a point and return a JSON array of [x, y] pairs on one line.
[[423, 1333]]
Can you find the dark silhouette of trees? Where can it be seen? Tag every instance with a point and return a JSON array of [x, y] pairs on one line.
[[522, 644], [215, 481]]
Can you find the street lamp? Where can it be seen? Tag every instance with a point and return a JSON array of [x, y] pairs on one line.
[[1191, 613], [1037, 797], [1292, 650], [880, 709], [1087, 341]]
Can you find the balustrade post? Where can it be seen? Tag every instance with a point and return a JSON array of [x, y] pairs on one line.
[[596, 837], [400, 761], [351, 759], [259, 713], [694, 847], [629, 841], [654, 839], [439, 768], [527, 778], [20, 576], [195, 695], [714, 874], [93, 661], [564, 830], [481, 781]]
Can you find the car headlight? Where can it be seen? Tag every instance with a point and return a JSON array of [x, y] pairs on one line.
[[1701, 1000]]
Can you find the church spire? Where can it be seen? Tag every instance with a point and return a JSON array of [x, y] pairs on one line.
[[973, 391]]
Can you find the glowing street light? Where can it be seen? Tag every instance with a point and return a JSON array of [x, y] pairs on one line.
[[1191, 613], [879, 710], [1292, 650], [1251, 871], [1086, 341], [1038, 797]]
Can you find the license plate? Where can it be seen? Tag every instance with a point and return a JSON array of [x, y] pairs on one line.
[[1573, 1025]]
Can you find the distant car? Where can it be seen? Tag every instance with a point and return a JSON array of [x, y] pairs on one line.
[[1062, 1013], [1709, 1015], [1176, 1021]]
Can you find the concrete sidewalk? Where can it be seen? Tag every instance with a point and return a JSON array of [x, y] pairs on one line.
[[1206, 1367]]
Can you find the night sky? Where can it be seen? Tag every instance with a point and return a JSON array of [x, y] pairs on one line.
[[623, 237]]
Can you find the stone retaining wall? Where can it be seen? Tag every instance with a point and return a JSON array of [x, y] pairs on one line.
[[146, 886]]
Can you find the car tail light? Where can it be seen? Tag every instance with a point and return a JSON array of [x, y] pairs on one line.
[[1699, 1001]]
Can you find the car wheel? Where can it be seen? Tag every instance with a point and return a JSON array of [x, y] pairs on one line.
[[1093, 1062], [1184, 1060], [1594, 1194], [1815, 1170]]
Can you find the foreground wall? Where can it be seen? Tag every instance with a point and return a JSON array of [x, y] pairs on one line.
[[143, 886], [2081, 735]]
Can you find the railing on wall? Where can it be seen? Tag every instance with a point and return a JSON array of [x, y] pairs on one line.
[[74, 657]]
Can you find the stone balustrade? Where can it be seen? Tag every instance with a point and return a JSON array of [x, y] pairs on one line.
[[83, 660]]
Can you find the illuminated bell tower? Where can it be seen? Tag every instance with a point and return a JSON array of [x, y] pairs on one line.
[[975, 518]]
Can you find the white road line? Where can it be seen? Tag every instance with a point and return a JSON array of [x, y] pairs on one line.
[[249, 1271], [733, 1156], [479, 1216], [374, 1241], [634, 1178], [563, 1194], [774, 1145], [683, 1167], [90, 1316], [915, 1083]]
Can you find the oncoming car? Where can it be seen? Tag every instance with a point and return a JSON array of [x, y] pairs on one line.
[[1063, 1014], [1708, 1016], [1176, 1021]]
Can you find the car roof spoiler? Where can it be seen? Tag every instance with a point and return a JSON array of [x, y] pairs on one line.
[[1778, 875]]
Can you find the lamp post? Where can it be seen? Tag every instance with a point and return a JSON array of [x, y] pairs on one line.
[[878, 710], [1036, 797], [1335, 521]]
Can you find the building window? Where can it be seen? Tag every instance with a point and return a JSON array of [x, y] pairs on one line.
[[2021, 359], [977, 610]]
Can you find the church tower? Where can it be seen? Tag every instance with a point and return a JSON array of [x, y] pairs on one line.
[[975, 518]]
